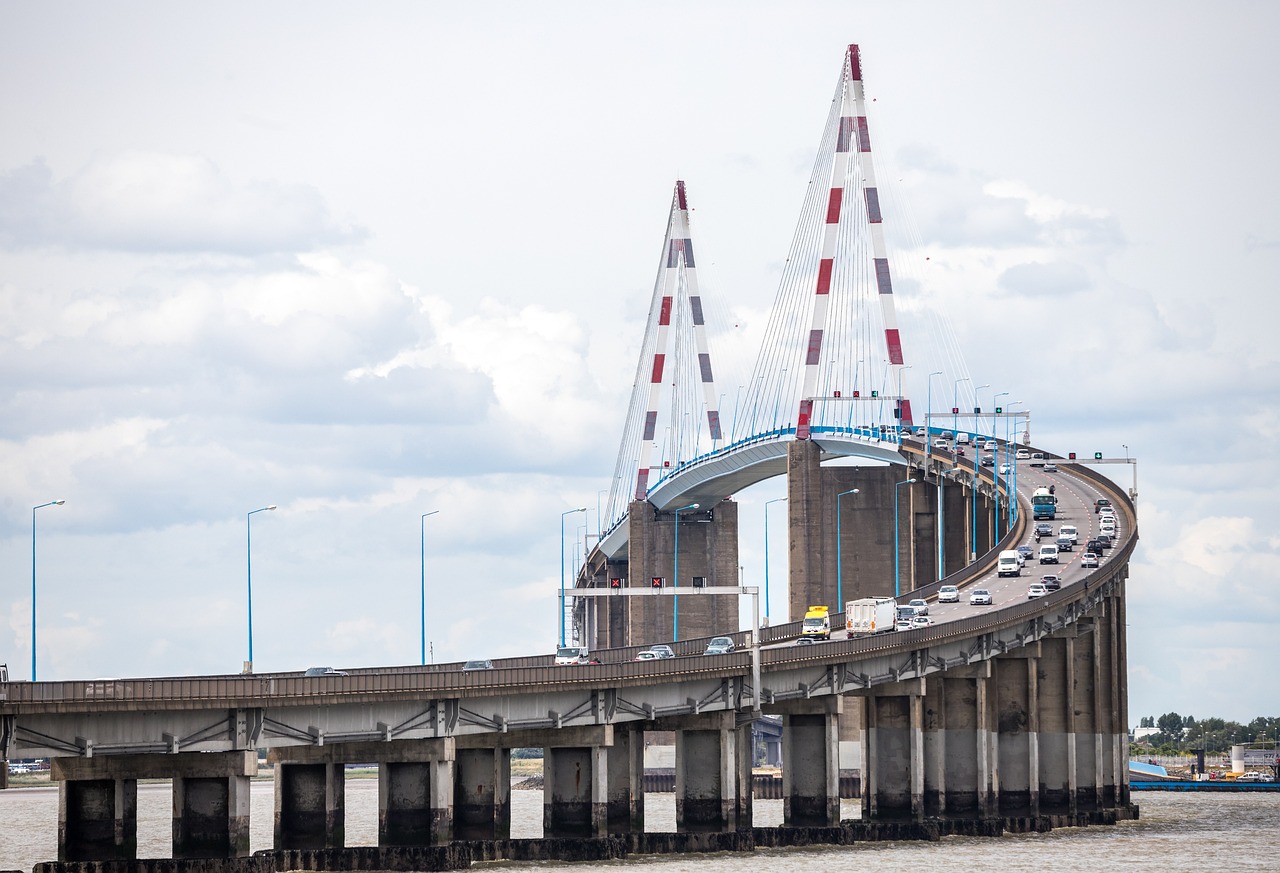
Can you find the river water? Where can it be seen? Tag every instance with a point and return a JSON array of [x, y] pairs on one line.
[[1177, 833]]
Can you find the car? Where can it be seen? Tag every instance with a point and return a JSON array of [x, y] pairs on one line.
[[646, 655], [1044, 529], [478, 664], [662, 652], [1005, 469], [920, 605], [1107, 530], [921, 621], [1069, 530], [948, 594], [1037, 459], [988, 460], [902, 624], [1023, 455], [1065, 544], [719, 646], [1050, 582], [1090, 559], [960, 453], [1050, 467], [1099, 504], [1093, 546], [922, 431], [1254, 776], [569, 655], [324, 671], [1048, 554], [806, 641], [1025, 552], [980, 597], [1104, 540], [1037, 589]]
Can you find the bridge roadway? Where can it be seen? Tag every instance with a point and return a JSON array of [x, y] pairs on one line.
[[108, 732]]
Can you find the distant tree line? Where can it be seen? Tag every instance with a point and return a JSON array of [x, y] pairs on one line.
[[1175, 734]]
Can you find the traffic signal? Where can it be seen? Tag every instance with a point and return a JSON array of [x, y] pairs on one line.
[[1071, 456], [656, 582], [857, 393], [977, 410], [875, 393], [699, 581], [1097, 456], [955, 410], [837, 394], [999, 410], [615, 582]]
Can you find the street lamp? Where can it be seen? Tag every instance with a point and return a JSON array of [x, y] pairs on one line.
[[995, 452], [422, 610], [33, 581], [675, 580], [839, 574], [248, 552], [955, 407], [562, 515], [766, 554], [928, 431], [897, 578], [900, 369]]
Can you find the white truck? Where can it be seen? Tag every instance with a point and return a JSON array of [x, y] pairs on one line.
[[870, 615], [817, 623]]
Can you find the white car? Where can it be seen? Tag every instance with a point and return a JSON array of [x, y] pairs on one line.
[[1069, 530], [1089, 560], [902, 624], [1024, 455], [1048, 554], [980, 597], [920, 605], [1005, 469], [1037, 589], [948, 594], [921, 621], [1050, 467]]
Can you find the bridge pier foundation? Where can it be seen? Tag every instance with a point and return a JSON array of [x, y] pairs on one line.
[[211, 816], [98, 820], [482, 794], [710, 791], [415, 802], [893, 752], [1053, 706], [1015, 739], [575, 797], [811, 763], [626, 781], [310, 806]]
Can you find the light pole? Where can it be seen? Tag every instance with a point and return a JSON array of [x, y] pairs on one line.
[[248, 558], [766, 554], [897, 578], [995, 452], [1011, 457], [33, 581], [955, 408], [928, 431], [675, 580], [562, 515], [900, 369], [422, 531], [839, 574]]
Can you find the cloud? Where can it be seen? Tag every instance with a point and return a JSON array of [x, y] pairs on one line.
[[160, 203], [1044, 282]]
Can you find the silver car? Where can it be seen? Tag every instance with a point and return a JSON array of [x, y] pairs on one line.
[[948, 594], [980, 597]]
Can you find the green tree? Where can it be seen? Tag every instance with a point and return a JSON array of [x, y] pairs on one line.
[[1170, 724]]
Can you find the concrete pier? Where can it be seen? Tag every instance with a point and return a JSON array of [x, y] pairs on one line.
[[811, 750], [310, 810], [708, 797]]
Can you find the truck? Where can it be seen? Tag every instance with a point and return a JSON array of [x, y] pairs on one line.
[[817, 623], [1044, 504], [870, 615]]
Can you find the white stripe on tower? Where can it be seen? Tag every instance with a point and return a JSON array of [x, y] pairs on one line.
[[695, 307], [675, 238], [822, 291], [884, 283]]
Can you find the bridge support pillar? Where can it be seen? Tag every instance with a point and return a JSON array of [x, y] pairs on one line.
[[1084, 730], [415, 802], [957, 743], [98, 820], [893, 752], [310, 806], [482, 794], [1017, 729], [1053, 706], [626, 781], [575, 799], [211, 816], [811, 763], [710, 795]]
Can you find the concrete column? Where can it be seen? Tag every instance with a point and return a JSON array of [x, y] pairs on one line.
[[1012, 725], [1084, 727], [811, 764], [895, 747], [744, 751], [482, 794], [98, 820], [955, 534], [626, 781], [935, 746], [706, 775], [575, 799], [1053, 737], [1122, 694], [310, 806], [960, 744], [1109, 697], [415, 802], [210, 817], [917, 755], [988, 772]]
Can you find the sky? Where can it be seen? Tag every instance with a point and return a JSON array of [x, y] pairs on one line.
[[370, 261]]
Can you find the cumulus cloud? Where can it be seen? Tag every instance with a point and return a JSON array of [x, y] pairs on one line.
[[1045, 282], [150, 202]]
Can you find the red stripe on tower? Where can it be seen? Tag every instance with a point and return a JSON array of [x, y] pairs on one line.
[[834, 200], [664, 312], [895, 345], [855, 63], [824, 275], [658, 361]]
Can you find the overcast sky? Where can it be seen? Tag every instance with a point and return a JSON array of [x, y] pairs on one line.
[[368, 261]]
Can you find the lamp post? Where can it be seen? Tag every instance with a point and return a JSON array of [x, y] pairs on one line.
[[995, 453], [897, 578], [675, 578], [248, 557], [33, 581], [562, 515], [928, 431], [1011, 457], [766, 554], [955, 408], [422, 609], [900, 369], [839, 574]]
